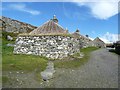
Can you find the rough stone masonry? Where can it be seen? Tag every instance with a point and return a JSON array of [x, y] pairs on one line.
[[51, 46]]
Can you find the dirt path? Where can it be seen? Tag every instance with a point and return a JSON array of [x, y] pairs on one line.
[[101, 71]]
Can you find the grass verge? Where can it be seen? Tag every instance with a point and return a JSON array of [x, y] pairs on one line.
[[4, 79], [74, 60], [16, 62]]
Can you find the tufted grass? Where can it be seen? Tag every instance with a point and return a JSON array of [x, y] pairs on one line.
[[5, 79], [15, 62], [74, 61]]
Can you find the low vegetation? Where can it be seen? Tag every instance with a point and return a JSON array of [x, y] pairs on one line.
[[5, 34], [16, 62], [5, 79], [74, 60], [26, 63]]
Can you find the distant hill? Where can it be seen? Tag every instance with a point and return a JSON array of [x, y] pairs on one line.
[[14, 26]]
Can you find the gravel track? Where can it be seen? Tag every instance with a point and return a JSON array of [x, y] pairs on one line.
[[101, 71]]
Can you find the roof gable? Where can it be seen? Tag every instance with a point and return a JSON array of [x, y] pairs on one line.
[[98, 39]]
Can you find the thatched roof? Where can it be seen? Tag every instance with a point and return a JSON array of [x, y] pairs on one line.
[[50, 27], [98, 39]]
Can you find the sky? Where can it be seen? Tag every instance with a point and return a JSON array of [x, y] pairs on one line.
[[96, 19]]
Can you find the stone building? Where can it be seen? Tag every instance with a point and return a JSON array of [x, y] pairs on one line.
[[84, 41], [50, 40], [99, 43]]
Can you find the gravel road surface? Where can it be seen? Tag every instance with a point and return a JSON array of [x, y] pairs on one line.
[[101, 71]]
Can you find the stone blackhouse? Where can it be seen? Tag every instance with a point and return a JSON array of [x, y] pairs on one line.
[[51, 40]]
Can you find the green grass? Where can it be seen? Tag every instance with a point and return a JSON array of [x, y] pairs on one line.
[[5, 34], [4, 79], [76, 61], [16, 62], [89, 49]]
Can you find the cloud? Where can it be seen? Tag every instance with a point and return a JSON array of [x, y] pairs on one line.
[[109, 37], [103, 9], [23, 8], [90, 38], [77, 13]]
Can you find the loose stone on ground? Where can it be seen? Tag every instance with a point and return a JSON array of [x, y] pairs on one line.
[[48, 72]]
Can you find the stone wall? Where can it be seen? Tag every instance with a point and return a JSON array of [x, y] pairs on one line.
[[49, 46], [86, 43], [99, 44]]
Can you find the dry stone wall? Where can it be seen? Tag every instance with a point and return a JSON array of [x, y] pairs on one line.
[[49, 46], [99, 44], [86, 43]]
